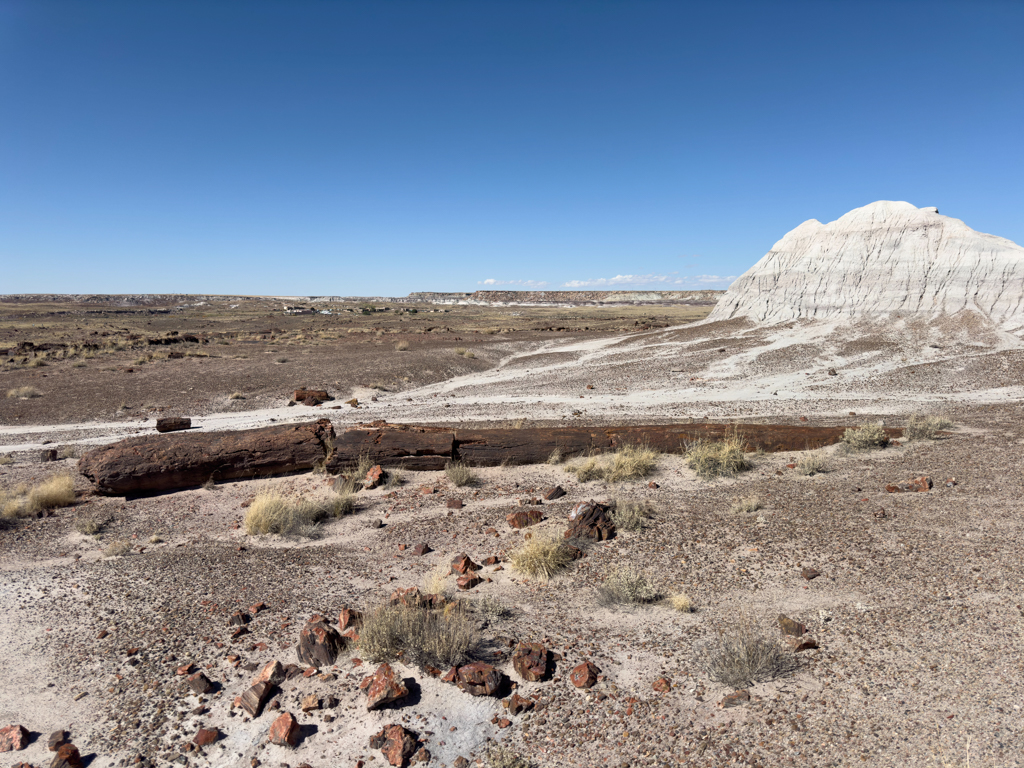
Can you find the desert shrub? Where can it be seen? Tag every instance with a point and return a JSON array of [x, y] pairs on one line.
[[438, 638], [88, 526], [23, 393], [541, 557], [459, 474], [744, 655], [401, 346], [502, 757], [680, 602], [630, 462], [236, 396], [156, 538], [926, 427], [746, 505], [469, 356], [117, 549], [711, 459], [865, 437], [812, 463], [492, 608], [630, 515], [379, 385], [273, 512], [56, 491], [436, 581], [6, 460], [627, 586], [460, 350], [555, 457], [396, 477]]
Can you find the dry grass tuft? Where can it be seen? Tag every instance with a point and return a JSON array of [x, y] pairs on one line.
[[459, 474], [680, 602], [812, 463], [926, 427], [6, 460], [746, 505], [630, 515], [865, 437], [56, 491], [555, 457], [627, 586], [502, 757], [88, 526], [711, 459], [117, 549], [460, 350], [745, 656], [273, 512], [401, 346], [630, 462], [436, 582], [541, 557], [469, 356], [418, 634], [23, 393], [236, 396]]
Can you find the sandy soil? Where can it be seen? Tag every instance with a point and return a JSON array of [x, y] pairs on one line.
[[917, 612]]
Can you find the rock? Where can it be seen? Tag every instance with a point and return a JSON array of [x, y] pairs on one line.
[[810, 573], [530, 661], [734, 699], [803, 643], [584, 675], [67, 757], [303, 394], [272, 673], [461, 564], [554, 493], [832, 372], [468, 581], [480, 679], [790, 627], [312, 401], [591, 521], [454, 504], [410, 597], [284, 731], [517, 704], [920, 484], [254, 698], [377, 523], [384, 687], [47, 455], [319, 644], [662, 685], [310, 703], [524, 518], [575, 552], [885, 257], [396, 743], [653, 485], [349, 618], [157, 463], [57, 740], [460, 762], [173, 424], [422, 755], [13, 738], [199, 683], [206, 736], [880, 514], [421, 549], [375, 476], [238, 619], [354, 402]]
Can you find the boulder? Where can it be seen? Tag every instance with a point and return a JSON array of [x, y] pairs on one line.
[[396, 743], [272, 673], [480, 679], [319, 644], [584, 675], [254, 698], [383, 687], [284, 731], [13, 738], [530, 661]]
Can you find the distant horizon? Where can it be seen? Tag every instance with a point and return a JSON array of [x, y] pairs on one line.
[[361, 149]]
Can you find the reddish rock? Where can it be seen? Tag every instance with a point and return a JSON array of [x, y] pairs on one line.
[[462, 565], [205, 737], [272, 673], [451, 675], [454, 504], [920, 484], [186, 669], [375, 477], [173, 424], [285, 731], [492, 560], [525, 518], [554, 493], [13, 738], [503, 722], [254, 698], [662, 685], [199, 683], [396, 743], [427, 490], [479, 679], [653, 485], [383, 687], [410, 597], [422, 755], [790, 627], [810, 573], [530, 661], [349, 618], [421, 549], [319, 644], [734, 699], [302, 393], [802, 643], [517, 704], [57, 740], [67, 757], [584, 675], [590, 520], [468, 581], [575, 552], [257, 608]]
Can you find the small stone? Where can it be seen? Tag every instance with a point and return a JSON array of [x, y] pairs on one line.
[[427, 490], [13, 738], [653, 485], [734, 699], [205, 737], [530, 661], [480, 679], [254, 698], [238, 618], [832, 372], [517, 704], [584, 675], [462, 564], [67, 757], [310, 703], [524, 519], [199, 683], [662, 685], [790, 627], [272, 673], [803, 643], [375, 476], [349, 618], [396, 743], [319, 644], [554, 493], [421, 549], [810, 573], [57, 740], [383, 687], [284, 731], [377, 523], [469, 581], [454, 504]]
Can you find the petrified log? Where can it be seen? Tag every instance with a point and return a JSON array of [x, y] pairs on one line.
[[493, 447], [157, 463], [319, 394], [173, 424], [413, 448]]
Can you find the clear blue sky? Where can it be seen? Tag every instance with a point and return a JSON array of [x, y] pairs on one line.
[[385, 147]]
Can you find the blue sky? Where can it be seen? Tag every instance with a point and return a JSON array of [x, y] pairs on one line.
[[377, 148]]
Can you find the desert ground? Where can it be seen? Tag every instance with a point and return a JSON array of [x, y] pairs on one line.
[[916, 610]]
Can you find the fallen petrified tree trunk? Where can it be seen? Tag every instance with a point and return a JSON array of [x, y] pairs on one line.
[[170, 462], [414, 448]]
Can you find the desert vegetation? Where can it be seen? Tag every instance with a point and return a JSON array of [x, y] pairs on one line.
[[24, 501], [273, 512], [628, 586], [542, 556], [630, 462], [744, 655], [926, 427], [439, 638], [865, 437], [712, 459], [459, 474]]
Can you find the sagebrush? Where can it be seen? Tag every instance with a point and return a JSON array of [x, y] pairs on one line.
[[459, 474], [926, 427], [630, 515]]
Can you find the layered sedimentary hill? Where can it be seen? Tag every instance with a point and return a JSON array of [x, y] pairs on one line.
[[883, 258]]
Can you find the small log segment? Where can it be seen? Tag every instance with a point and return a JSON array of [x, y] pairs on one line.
[[159, 463], [173, 424], [394, 445]]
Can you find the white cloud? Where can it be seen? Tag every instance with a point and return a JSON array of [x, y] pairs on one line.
[[536, 284], [669, 282]]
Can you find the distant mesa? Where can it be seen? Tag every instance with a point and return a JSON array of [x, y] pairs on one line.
[[884, 258]]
